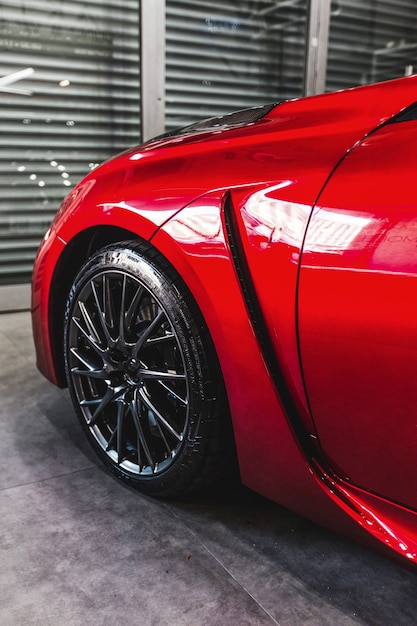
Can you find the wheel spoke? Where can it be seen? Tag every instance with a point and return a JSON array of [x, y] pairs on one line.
[[84, 360], [94, 345], [139, 430], [108, 302], [172, 393], [145, 373], [101, 403], [101, 314], [121, 408], [89, 323], [131, 313], [158, 416], [151, 341], [99, 373], [147, 332], [122, 313], [166, 444], [92, 370], [117, 433]]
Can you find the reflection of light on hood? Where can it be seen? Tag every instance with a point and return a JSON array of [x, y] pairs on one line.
[[282, 221], [277, 220], [193, 227], [335, 231]]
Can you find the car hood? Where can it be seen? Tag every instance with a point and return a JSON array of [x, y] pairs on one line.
[[300, 141], [227, 151], [360, 109]]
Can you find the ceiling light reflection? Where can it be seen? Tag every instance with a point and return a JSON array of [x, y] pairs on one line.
[[14, 77], [274, 219]]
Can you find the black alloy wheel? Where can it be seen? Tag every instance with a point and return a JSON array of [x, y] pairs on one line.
[[143, 374]]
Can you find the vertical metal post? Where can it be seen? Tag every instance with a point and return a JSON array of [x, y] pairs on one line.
[[152, 66], [317, 45]]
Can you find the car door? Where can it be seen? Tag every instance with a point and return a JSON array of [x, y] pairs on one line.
[[357, 314]]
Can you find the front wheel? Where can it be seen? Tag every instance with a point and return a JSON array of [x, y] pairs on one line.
[[143, 374]]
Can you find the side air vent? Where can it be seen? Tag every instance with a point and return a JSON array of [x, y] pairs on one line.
[[260, 329]]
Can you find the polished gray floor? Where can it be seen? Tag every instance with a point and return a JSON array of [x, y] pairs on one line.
[[79, 548]]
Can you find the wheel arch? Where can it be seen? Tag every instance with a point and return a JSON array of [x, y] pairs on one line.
[[74, 255]]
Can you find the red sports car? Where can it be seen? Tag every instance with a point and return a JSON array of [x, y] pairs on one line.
[[246, 288]]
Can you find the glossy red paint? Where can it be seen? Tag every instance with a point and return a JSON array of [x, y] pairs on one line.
[[320, 371], [357, 315], [196, 244]]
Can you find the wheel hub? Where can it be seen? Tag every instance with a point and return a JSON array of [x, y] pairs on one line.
[[122, 367], [131, 365]]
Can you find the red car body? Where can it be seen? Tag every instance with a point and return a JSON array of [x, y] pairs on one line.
[[296, 234]]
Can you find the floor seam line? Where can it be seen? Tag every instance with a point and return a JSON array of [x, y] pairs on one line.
[[222, 565], [42, 480]]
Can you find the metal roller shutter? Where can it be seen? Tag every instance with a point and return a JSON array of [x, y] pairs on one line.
[[69, 99], [223, 56], [371, 41]]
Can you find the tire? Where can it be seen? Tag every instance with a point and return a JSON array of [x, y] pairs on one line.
[[143, 373]]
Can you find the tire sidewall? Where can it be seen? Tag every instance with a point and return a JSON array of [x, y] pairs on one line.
[[171, 299]]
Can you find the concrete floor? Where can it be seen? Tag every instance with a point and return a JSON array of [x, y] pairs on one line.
[[79, 548]]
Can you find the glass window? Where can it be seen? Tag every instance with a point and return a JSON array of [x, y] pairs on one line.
[[371, 41], [228, 55], [69, 99]]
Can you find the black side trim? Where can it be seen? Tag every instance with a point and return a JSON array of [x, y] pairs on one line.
[[261, 331], [409, 114], [235, 119]]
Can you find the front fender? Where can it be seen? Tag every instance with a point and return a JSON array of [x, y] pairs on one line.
[[195, 243], [271, 461]]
